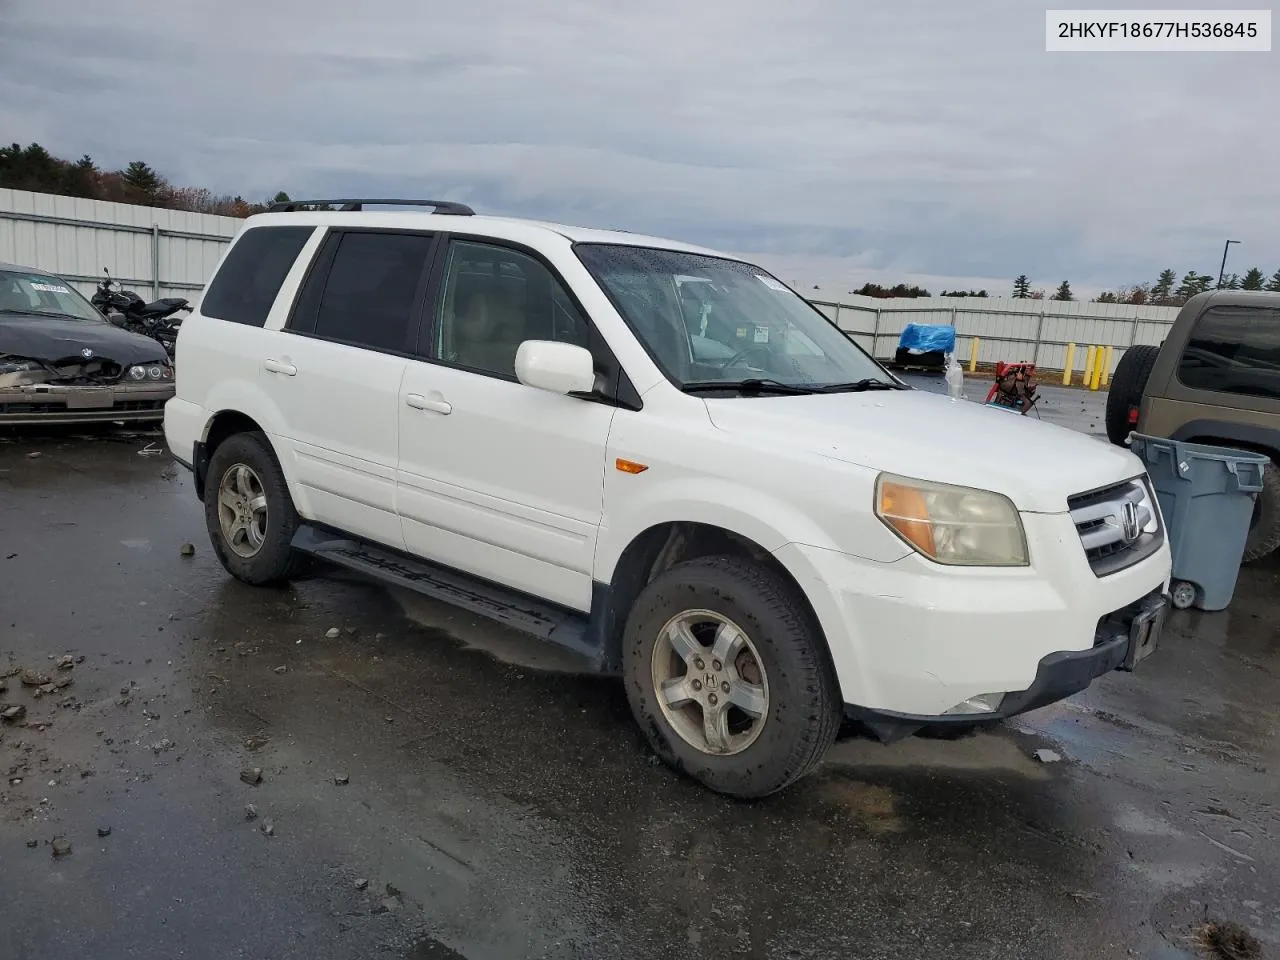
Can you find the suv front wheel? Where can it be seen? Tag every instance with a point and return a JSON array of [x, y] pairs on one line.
[[249, 512], [729, 678]]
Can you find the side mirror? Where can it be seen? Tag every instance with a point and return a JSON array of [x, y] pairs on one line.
[[557, 367]]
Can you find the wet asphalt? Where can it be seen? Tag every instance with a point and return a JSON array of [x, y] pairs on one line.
[[438, 787]]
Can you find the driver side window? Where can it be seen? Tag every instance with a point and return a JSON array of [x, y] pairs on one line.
[[494, 299]]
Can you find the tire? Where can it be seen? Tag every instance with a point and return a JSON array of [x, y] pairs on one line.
[[1126, 389], [1264, 532], [269, 558], [801, 707]]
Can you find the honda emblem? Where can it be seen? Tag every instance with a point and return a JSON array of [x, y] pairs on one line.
[[1129, 522]]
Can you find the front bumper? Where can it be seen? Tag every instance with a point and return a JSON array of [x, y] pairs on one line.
[[1122, 640], [917, 639], [57, 403]]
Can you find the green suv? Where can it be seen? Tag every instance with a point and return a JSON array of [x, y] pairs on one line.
[[1215, 379]]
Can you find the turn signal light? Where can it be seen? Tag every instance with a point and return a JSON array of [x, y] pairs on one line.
[[630, 466], [904, 508]]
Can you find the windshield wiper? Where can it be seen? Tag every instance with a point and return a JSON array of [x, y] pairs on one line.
[[754, 385], [858, 386], [40, 313]]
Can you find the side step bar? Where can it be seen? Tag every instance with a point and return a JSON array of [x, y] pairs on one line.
[[513, 609]]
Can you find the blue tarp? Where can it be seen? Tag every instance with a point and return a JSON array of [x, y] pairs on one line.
[[927, 337]]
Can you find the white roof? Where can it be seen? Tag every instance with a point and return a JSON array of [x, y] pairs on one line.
[[511, 228]]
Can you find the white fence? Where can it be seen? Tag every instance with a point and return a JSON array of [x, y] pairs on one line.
[[167, 253], [1005, 328], [172, 253]]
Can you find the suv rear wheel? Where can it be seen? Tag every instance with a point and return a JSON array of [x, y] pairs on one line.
[[249, 512], [1127, 386], [728, 676], [1264, 531]]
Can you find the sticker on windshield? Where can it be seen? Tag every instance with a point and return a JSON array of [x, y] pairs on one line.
[[49, 287], [762, 335], [771, 283]]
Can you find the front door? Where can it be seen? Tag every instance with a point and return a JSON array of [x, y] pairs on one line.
[[496, 478]]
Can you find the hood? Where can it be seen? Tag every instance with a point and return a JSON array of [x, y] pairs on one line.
[[51, 339], [924, 435]]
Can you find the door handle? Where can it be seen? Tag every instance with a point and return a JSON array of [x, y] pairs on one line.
[[419, 402], [277, 366]]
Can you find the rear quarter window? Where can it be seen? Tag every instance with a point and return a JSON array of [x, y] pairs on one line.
[[245, 286], [1234, 350]]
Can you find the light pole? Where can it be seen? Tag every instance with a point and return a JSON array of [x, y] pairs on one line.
[[1223, 269]]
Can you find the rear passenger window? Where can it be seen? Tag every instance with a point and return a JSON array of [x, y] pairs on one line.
[[371, 294], [1234, 350], [246, 285]]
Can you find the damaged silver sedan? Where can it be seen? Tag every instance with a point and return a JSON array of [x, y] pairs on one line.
[[61, 361]]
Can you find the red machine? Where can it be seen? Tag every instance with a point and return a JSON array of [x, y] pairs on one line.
[[1014, 387]]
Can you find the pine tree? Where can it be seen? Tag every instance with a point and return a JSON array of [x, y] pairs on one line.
[[1163, 289], [1063, 292], [1106, 296], [1232, 282], [1253, 280], [1194, 283], [1021, 287], [81, 178], [141, 178], [1273, 284]]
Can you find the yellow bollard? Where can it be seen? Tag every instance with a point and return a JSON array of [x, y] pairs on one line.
[[973, 354], [1069, 367], [1097, 370], [1090, 360], [1106, 367]]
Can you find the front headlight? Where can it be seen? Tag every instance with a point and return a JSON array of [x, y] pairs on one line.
[[959, 526], [151, 371]]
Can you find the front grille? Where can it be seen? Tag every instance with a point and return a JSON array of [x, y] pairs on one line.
[[1118, 525], [94, 372]]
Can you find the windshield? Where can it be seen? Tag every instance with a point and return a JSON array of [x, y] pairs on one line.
[[41, 293], [706, 320]]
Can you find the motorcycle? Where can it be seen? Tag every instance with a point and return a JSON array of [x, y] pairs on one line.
[[124, 308]]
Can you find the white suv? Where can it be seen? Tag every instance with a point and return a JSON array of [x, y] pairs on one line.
[[666, 460]]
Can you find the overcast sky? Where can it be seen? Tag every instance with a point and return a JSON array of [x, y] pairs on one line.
[[838, 140]]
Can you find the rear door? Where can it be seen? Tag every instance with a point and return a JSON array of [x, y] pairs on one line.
[[335, 369]]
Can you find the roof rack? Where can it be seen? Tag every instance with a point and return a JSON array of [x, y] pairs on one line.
[[448, 207]]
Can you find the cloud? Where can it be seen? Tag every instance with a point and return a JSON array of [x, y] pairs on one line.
[[846, 141]]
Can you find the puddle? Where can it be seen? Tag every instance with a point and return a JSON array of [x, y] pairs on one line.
[[982, 751], [1132, 820], [1088, 739]]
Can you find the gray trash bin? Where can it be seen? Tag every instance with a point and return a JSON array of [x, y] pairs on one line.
[[1206, 495]]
